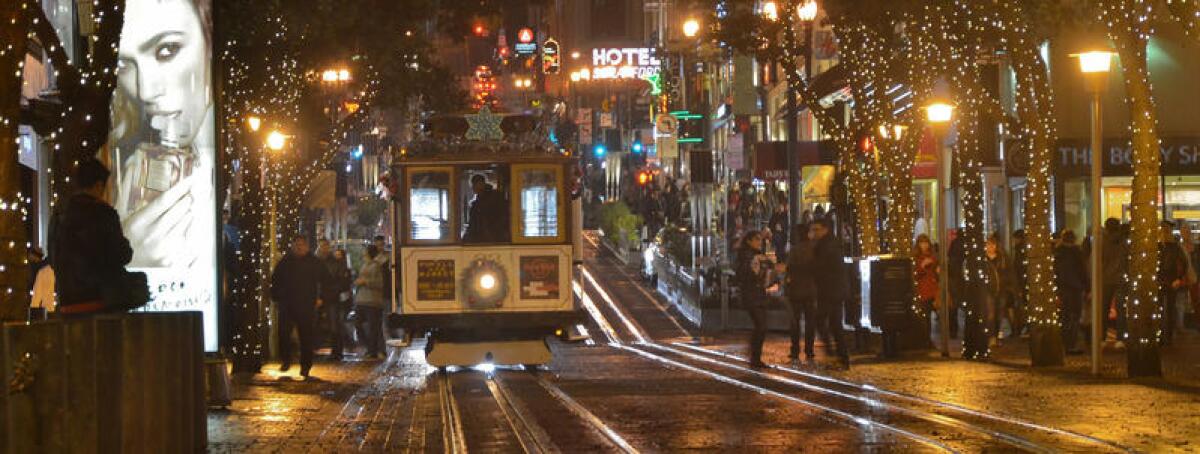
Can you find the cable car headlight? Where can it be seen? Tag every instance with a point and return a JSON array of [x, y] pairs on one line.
[[487, 281], [485, 284]]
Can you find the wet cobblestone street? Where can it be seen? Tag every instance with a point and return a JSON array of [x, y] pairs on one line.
[[650, 382]]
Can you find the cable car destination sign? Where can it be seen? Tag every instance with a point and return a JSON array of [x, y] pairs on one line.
[[624, 63]]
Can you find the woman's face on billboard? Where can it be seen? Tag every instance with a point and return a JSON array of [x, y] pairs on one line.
[[164, 65]]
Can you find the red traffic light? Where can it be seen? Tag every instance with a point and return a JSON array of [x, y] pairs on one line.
[[480, 30]]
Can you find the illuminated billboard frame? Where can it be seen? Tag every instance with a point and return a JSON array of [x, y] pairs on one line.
[[162, 150]]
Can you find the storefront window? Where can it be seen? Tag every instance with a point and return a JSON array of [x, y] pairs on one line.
[[429, 205]]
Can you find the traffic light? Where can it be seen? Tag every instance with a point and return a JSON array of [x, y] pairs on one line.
[[637, 147], [599, 150]]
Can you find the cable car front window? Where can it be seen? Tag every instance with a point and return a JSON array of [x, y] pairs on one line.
[[539, 203], [429, 205]]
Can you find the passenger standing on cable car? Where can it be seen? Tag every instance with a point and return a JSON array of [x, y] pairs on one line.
[[487, 217], [751, 279]]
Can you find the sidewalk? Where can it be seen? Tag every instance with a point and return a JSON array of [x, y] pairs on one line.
[[1150, 415], [276, 412]]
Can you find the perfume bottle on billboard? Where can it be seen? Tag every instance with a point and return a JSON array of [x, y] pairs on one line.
[[162, 163]]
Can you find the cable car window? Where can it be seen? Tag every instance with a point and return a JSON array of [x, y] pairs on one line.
[[430, 216], [539, 202]]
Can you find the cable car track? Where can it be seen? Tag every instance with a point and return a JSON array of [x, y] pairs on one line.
[[908, 416]]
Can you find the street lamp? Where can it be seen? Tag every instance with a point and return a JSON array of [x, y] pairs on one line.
[[770, 11], [1095, 66], [575, 76], [691, 27], [276, 140], [254, 122], [808, 11], [938, 115]]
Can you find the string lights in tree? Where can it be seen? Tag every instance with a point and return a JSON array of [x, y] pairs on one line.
[[13, 204], [80, 130], [1129, 27]]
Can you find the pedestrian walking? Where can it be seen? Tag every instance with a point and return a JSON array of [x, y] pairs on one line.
[[1114, 265], [1020, 267], [1172, 277], [1070, 275], [296, 289], [779, 231], [752, 274], [925, 275], [829, 273], [368, 300], [89, 251], [960, 296], [999, 288], [337, 274], [801, 292]]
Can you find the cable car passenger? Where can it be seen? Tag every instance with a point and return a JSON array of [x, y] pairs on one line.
[[487, 217]]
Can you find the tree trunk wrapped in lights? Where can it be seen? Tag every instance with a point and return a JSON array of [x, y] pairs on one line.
[[861, 184], [1036, 113], [1145, 311], [14, 269]]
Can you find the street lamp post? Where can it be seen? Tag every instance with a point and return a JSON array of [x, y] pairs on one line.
[[1095, 66], [939, 115], [807, 13]]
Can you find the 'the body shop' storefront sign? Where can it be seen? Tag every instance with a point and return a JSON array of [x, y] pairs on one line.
[[1178, 155]]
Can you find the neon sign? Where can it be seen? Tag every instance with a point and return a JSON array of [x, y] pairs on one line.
[[624, 63]]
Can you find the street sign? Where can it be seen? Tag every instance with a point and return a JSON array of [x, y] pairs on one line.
[[606, 120], [666, 124], [735, 155]]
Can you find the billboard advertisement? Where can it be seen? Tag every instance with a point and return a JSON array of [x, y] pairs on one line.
[[162, 152]]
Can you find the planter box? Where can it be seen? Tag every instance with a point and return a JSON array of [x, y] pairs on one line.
[[120, 383]]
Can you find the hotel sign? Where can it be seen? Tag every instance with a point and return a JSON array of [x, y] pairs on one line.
[[624, 63]]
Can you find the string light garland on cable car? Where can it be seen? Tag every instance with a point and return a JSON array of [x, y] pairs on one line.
[[484, 284]]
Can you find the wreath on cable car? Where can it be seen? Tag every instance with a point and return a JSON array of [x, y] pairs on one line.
[[485, 284]]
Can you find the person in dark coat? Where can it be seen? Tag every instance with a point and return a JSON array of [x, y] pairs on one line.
[[829, 273], [487, 217], [296, 288], [956, 258], [1070, 275], [1172, 277], [1114, 265], [779, 232], [338, 274], [802, 291], [751, 274], [87, 247], [1020, 273]]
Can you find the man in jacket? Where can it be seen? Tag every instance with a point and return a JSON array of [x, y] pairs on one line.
[[1114, 263], [369, 300], [487, 217], [1070, 275], [296, 288], [801, 292], [829, 273], [1172, 277], [338, 275], [88, 249]]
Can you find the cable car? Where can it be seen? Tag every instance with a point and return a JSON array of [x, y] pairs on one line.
[[488, 243]]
